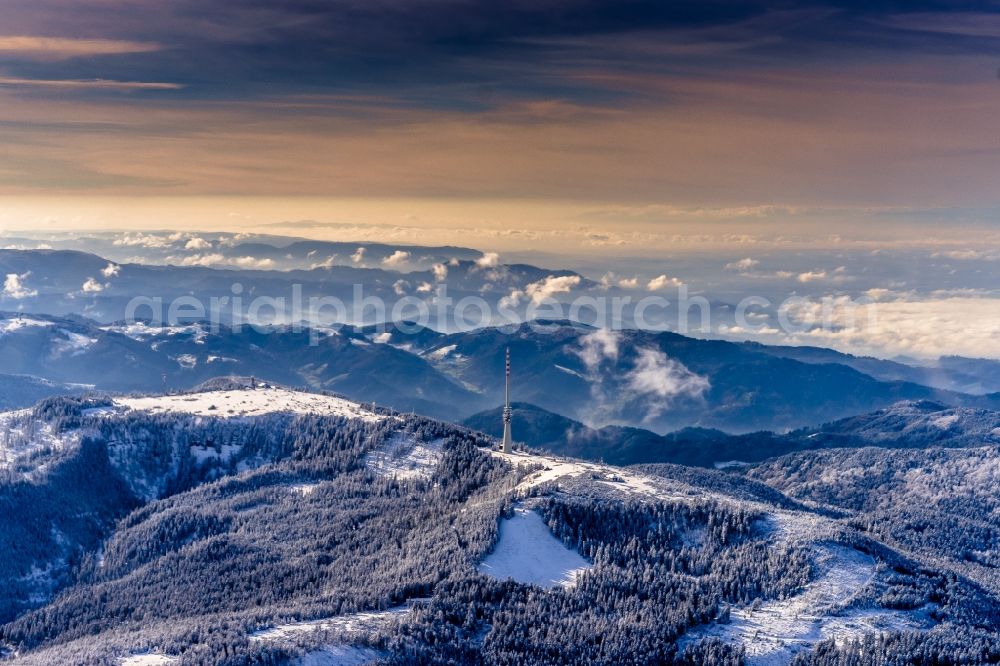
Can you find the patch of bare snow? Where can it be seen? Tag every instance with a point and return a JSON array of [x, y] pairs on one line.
[[70, 342], [528, 552], [619, 479], [98, 411], [224, 453], [150, 659], [142, 331], [366, 621], [17, 323], [440, 354], [304, 489], [945, 422]]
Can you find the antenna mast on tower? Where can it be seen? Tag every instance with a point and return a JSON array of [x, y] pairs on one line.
[[506, 447]]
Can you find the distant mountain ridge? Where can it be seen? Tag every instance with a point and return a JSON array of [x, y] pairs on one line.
[[54, 283], [616, 445], [955, 373], [664, 381], [653, 380], [904, 425]]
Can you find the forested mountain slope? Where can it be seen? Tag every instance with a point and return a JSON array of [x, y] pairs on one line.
[[242, 525]]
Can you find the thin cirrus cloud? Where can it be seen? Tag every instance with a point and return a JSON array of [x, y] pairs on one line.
[[968, 24], [99, 84], [59, 48]]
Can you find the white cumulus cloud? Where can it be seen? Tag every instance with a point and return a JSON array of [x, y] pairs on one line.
[[92, 286], [197, 243], [811, 276], [488, 260], [662, 282], [743, 265], [397, 258], [252, 262], [111, 270], [14, 286], [539, 292], [628, 283], [216, 259]]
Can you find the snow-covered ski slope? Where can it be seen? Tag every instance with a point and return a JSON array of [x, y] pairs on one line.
[[529, 553]]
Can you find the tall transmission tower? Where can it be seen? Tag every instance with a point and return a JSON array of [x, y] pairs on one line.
[[506, 447]]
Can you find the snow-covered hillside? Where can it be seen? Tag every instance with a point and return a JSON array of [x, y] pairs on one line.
[[21, 436], [249, 402], [831, 606]]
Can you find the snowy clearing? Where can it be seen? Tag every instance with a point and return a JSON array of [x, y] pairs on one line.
[[439, 354], [148, 660], [224, 453], [777, 630], [404, 458], [142, 331], [616, 478], [528, 552], [71, 343], [945, 422], [354, 622], [249, 402]]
